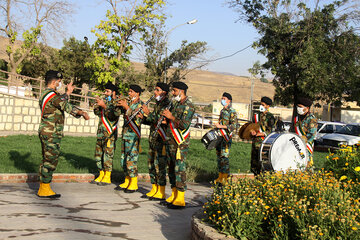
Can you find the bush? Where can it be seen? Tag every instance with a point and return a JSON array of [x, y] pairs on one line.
[[295, 205]]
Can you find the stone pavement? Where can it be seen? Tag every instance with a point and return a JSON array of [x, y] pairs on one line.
[[87, 211]]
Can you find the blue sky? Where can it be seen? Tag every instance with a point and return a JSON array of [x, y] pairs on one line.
[[216, 25]]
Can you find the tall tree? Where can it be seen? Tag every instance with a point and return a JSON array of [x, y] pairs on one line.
[[116, 36], [72, 59], [311, 50], [31, 20]]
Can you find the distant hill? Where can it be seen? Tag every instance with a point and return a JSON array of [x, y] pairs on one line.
[[206, 86]]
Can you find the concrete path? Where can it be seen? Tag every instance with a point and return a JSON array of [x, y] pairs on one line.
[[87, 211]]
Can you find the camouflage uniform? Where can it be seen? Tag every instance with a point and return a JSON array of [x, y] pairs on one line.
[[229, 119], [267, 124], [306, 128], [51, 129], [130, 139], [157, 157], [183, 112], [106, 136]]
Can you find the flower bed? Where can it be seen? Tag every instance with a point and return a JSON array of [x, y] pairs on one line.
[[295, 205]]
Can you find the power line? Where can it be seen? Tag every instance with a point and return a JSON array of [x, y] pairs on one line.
[[217, 59]]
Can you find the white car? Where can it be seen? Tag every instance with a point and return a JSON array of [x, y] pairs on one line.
[[198, 121], [349, 134], [325, 128]]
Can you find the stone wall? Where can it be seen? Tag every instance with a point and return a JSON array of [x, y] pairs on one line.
[[21, 115]]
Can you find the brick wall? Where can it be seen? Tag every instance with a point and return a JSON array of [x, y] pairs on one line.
[[21, 115]]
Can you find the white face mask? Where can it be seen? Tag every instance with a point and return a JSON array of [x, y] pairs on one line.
[[300, 110], [262, 108], [59, 86], [158, 98], [177, 98]]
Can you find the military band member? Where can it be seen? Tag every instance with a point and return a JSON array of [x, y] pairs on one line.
[[177, 145], [226, 125], [157, 157], [266, 123], [130, 137], [305, 125], [106, 134], [52, 106]]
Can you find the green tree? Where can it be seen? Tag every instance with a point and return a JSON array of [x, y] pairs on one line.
[[72, 58], [36, 17], [310, 50], [116, 37]]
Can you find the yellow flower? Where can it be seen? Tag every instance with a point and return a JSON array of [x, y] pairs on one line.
[[357, 169], [343, 177], [354, 228]]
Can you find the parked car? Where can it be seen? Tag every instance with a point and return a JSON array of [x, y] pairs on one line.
[[198, 121], [348, 134], [325, 128]]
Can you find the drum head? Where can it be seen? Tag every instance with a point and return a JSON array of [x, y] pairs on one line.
[[287, 152]]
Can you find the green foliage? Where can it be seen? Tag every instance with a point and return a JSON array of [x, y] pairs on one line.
[[310, 51], [345, 164], [36, 65], [72, 58], [115, 37], [295, 205], [264, 80]]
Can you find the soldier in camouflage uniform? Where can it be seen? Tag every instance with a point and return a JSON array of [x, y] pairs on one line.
[[157, 157], [177, 145], [267, 123], [130, 137], [226, 125], [106, 134], [52, 106], [305, 125]]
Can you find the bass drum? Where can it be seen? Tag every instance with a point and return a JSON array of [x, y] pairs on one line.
[[211, 139], [282, 152]]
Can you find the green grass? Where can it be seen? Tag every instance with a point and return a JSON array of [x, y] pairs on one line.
[[22, 154]]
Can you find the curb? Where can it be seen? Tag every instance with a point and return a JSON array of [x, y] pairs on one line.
[[78, 177], [203, 231]]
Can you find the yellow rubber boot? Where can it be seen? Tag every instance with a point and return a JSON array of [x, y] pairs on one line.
[[160, 194], [153, 190], [133, 186], [179, 201], [45, 191], [219, 179], [170, 199], [225, 178], [106, 179], [99, 178], [124, 185]]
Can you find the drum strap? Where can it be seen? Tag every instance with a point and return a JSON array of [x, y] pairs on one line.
[[109, 127], [179, 136]]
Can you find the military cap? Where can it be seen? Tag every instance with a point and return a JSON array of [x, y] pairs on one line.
[[163, 86], [51, 74], [111, 86], [266, 100], [180, 85], [136, 88], [227, 95], [304, 101]]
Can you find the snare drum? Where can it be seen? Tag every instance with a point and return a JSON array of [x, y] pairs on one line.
[[282, 152], [211, 139]]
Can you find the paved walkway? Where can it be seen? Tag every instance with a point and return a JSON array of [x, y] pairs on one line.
[[87, 211]]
